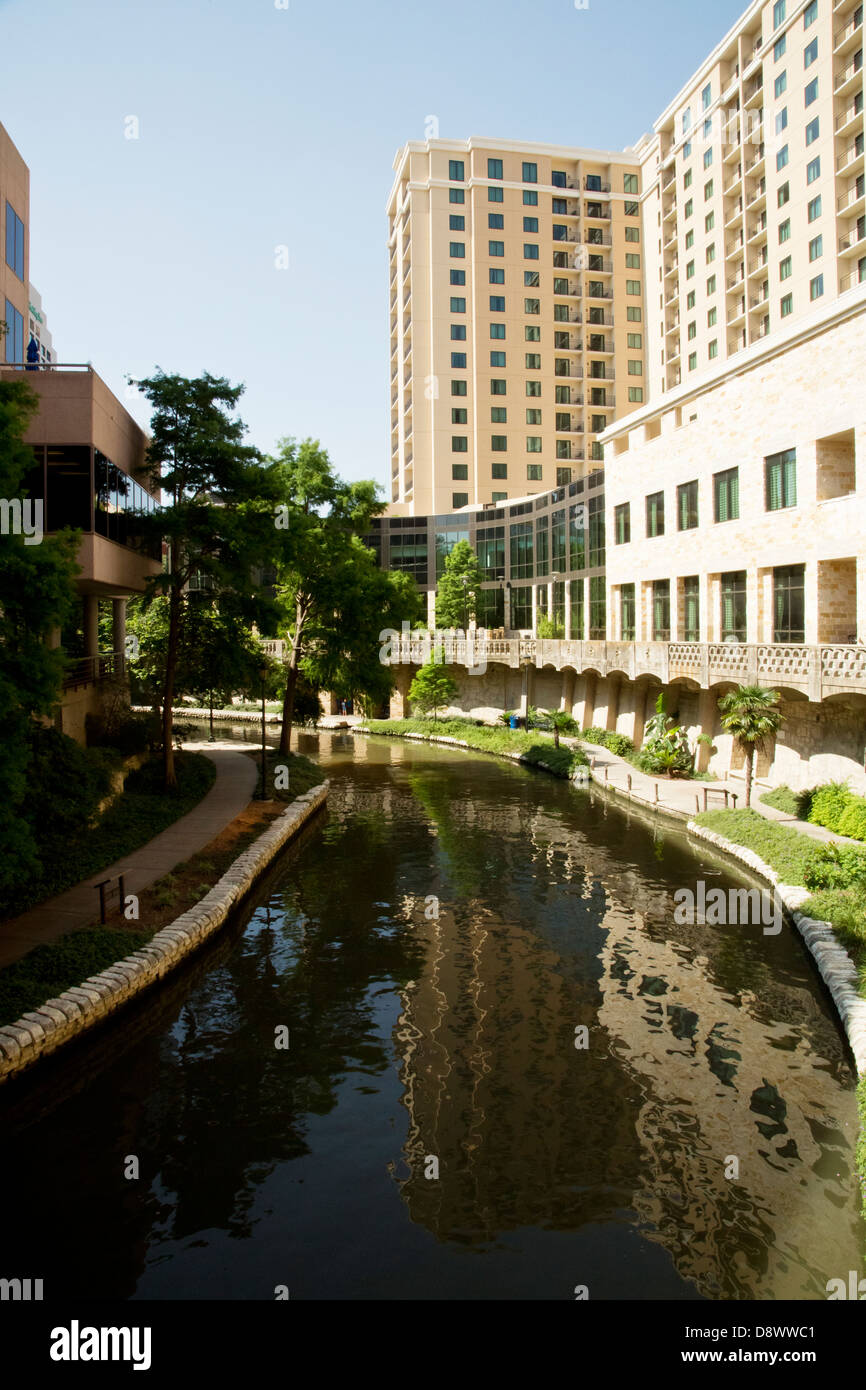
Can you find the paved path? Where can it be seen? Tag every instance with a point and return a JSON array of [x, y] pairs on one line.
[[79, 907]]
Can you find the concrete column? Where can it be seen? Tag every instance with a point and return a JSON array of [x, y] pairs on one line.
[[708, 713], [752, 605], [91, 625], [614, 685], [566, 702], [714, 608], [811, 599], [586, 700], [639, 716], [550, 599], [676, 607], [118, 632], [400, 695], [535, 610], [526, 689], [861, 597], [704, 602]]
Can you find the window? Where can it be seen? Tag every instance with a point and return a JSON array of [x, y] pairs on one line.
[[533, 473], [693, 330], [708, 129], [661, 610], [622, 523], [690, 240], [709, 221], [497, 303], [531, 281], [494, 195], [690, 270], [458, 332], [533, 362], [632, 286], [810, 14], [459, 472], [563, 476], [785, 230], [459, 444], [789, 603], [780, 474], [456, 222], [779, 48], [593, 183], [713, 349], [815, 208], [533, 443], [458, 306], [786, 306], [456, 195], [708, 190], [813, 130], [810, 53], [635, 393], [689, 208], [499, 470], [629, 183], [633, 313], [494, 168], [726, 495], [458, 277], [706, 96], [458, 500], [559, 207], [655, 514], [457, 248], [533, 417], [631, 209], [626, 613], [816, 287], [785, 268], [712, 318], [455, 170], [458, 388], [15, 335], [459, 415], [498, 386], [632, 261], [733, 597], [533, 388], [530, 224], [635, 340], [458, 359], [691, 609], [496, 248], [811, 92], [778, 13], [532, 306], [813, 170], [690, 299], [530, 251], [687, 119], [498, 443], [782, 120], [816, 248], [497, 359], [558, 178], [597, 609], [495, 221], [632, 233], [687, 150], [530, 173], [783, 194], [693, 361], [14, 244], [780, 85], [711, 253], [708, 158], [498, 414], [687, 179], [635, 368], [498, 496], [530, 197], [496, 276], [532, 333], [782, 157]]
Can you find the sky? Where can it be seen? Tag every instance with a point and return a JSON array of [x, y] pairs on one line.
[[260, 125]]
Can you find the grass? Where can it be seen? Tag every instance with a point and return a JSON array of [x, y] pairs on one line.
[[783, 799], [787, 851], [533, 746], [48, 970], [303, 773], [142, 811]]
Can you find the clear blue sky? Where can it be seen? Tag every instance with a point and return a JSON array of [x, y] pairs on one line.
[[262, 126]]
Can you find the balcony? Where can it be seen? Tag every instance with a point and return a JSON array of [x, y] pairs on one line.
[[669, 210], [672, 238], [850, 161], [759, 267], [734, 214], [672, 325], [758, 197], [853, 242], [757, 163], [595, 239], [598, 292], [735, 281], [852, 280], [596, 213], [758, 231], [734, 181], [848, 37], [734, 248], [600, 188], [753, 93], [673, 297], [849, 121], [848, 78]]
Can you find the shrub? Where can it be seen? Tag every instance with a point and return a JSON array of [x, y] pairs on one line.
[[134, 734], [829, 803], [852, 822], [782, 799], [619, 744], [594, 735], [836, 866], [787, 851]]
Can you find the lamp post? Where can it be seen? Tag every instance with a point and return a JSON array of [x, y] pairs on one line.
[[464, 581], [526, 665], [263, 675]]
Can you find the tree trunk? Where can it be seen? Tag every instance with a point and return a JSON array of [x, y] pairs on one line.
[[750, 761], [555, 736], [169, 773], [291, 683]]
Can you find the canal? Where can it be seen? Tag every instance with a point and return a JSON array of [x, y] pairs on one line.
[[509, 1074]]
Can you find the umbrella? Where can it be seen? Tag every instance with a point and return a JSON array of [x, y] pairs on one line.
[[32, 355]]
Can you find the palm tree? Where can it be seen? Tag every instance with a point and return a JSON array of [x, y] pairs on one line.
[[750, 713], [562, 722]]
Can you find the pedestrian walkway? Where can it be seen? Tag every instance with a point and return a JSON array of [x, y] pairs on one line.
[[236, 776], [685, 797]]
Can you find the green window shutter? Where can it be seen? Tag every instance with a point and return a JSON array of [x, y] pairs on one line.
[[734, 499], [721, 500], [790, 479]]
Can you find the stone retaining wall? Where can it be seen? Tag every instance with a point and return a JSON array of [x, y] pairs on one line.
[[835, 966], [57, 1021]]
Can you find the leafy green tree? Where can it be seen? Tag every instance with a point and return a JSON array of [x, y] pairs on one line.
[[752, 715], [666, 745], [562, 723], [433, 688], [457, 602], [37, 595], [216, 510], [334, 599]]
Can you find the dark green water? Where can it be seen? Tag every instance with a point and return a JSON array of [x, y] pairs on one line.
[[417, 1037]]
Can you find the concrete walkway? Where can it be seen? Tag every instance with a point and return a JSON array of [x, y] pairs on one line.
[[686, 797], [79, 907]]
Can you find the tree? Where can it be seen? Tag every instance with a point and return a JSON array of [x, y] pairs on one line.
[[215, 498], [432, 687], [334, 598], [457, 603], [752, 715], [37, 593], [666, 744], [562, 723]]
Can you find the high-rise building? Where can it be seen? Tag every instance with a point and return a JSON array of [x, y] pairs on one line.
[[516, 306], [14, 250]]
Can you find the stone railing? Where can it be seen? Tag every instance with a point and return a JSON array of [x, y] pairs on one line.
[[814, 671]]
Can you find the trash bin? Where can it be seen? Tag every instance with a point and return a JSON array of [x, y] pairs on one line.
[[512, 723]]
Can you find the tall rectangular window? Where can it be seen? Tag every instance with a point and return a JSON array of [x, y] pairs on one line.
[[778, 13], [661, 610], [780, 473], [691, 608], [577, 611], [655, 514], [14, 241], [789, 603], [530, 173], [627, 613], [810, 53], [811, 92], [457, 248], [687, 506], [810, 14], [597, 609], [495, 195], [622, 523], [733, 597], [496, 248], [455, 170], [726, 495], [813, 169], [494, 168], [15, 334]]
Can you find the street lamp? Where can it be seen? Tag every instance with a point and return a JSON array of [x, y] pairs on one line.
[[263, 675], [464, 581]]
